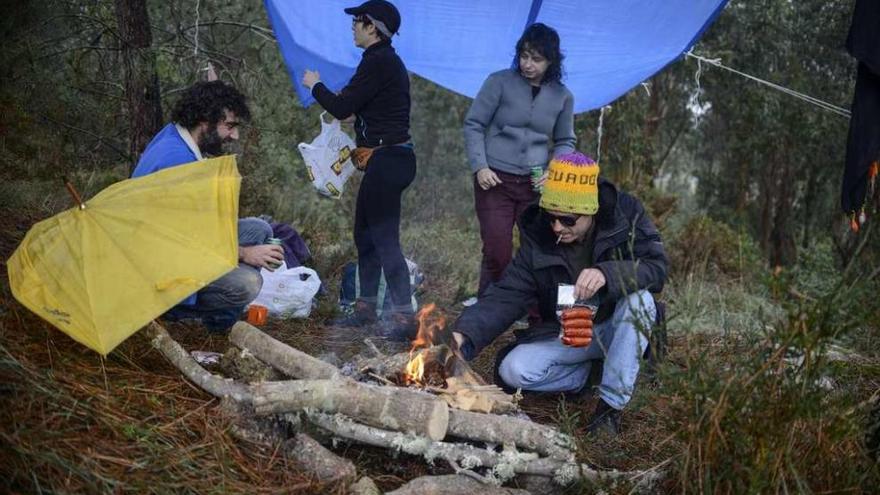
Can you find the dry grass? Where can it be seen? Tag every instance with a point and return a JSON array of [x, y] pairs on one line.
[[72, 423]]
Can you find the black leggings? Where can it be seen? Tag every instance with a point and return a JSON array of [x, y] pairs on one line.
[[377, 224]]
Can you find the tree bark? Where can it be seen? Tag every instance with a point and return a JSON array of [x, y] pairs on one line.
[[279, 355], [506, 430], [385, 407], [142, 97], [177, 355], [452, 484], [324, 465], [318, 460], [506, 464]]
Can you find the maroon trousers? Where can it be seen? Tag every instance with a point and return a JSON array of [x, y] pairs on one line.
[[498, 209]]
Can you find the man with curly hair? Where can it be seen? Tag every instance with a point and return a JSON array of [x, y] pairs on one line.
[[206, 117]]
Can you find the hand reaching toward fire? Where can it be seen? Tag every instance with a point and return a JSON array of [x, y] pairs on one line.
[[577, 327], [461, 345]]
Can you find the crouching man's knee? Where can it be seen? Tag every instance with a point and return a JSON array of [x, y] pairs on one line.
[[514, 372], [243, 286], [253, 231], [638, 308]]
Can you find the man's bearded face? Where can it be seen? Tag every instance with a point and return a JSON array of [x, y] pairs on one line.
[[211, 144], [219, 133]]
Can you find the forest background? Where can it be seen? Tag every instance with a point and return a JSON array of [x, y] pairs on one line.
[[773, 362]]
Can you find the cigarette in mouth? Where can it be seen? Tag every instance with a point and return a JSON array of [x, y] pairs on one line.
[[559, 239]]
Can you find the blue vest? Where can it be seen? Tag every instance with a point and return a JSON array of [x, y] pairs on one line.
[[166, 150]]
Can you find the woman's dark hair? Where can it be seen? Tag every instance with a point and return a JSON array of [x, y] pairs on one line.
[[544, 40], [206, 102]]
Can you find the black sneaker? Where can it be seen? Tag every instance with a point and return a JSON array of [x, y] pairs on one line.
[[605, 421], [364, 314]]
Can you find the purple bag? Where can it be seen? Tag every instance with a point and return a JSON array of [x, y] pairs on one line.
[[296, 252]]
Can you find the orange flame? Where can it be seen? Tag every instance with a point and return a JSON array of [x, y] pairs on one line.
[[430, 324], [415, 369]]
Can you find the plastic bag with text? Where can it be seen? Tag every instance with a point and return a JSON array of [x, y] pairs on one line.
[[328, 158]]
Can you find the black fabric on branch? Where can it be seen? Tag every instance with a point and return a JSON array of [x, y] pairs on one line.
[[863, 41], [863, 143], [378, 94]]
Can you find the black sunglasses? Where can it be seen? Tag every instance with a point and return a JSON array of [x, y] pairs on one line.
[[564, 220]]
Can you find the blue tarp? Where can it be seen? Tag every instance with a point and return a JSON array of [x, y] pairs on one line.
[[610, 45]]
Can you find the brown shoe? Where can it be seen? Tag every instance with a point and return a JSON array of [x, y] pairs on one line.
[[605, 421], [363, 314], [401, 327]]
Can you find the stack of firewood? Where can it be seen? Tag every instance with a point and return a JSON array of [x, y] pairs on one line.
[[438, 423]]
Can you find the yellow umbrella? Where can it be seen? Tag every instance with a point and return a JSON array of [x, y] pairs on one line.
[[101, 271]]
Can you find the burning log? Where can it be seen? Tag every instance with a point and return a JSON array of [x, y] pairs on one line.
[[279, 355], [440, 371], [385, 407]]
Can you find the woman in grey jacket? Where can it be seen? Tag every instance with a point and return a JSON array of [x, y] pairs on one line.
[[518, 118]]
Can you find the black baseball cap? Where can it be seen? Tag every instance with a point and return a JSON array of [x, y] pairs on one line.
[[379, 11]]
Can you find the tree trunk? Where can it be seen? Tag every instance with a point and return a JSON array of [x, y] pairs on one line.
[[511, 431], [452, 484], [392, 408], [182, 360], [142, 97], [279, 355]]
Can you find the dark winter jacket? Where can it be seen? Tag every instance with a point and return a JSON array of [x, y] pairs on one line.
[[627, 250], [863, 41], [378, 94]]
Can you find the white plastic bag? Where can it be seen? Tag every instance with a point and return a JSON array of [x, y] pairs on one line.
[[288, 292], [328, 158]]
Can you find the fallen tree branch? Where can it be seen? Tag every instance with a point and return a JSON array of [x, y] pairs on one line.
[[508, 430], [453, 484], [324, 465], [281, 356], [397, 408], [504, 465], [177, 355], [394, 408]]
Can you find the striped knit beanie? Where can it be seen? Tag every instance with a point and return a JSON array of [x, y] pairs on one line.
[[572, 185]]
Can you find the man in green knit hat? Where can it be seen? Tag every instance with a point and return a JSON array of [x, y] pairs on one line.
[[587, 235]]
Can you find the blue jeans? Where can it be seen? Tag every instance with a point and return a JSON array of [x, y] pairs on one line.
[[220, 303], [551, 366]]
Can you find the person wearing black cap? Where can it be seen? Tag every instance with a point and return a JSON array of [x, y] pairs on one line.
[[378, 98]]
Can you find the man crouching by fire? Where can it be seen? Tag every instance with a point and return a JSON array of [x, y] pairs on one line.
[[585, 233]]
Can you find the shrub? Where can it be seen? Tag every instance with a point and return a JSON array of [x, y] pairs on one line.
[[704, 245]]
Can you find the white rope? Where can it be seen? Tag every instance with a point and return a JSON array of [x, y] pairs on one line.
[[599, 133], [196, 47], [809, 99]]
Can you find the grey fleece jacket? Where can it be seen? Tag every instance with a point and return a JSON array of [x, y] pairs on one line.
[[509, 131]]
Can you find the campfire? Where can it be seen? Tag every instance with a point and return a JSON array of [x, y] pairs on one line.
[[429, 354], [437, 408], [431, 365]]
